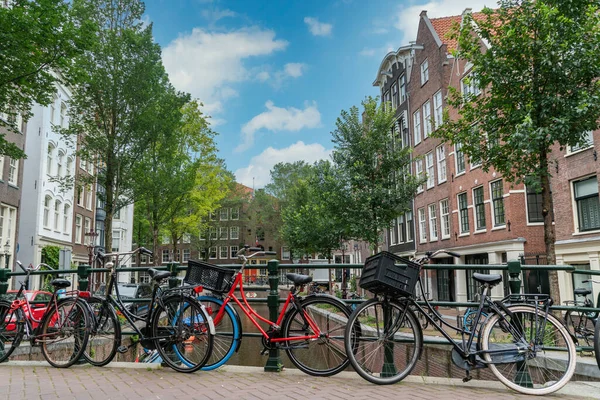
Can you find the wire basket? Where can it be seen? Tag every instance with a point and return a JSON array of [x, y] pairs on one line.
[[209, 276], [382, 275]]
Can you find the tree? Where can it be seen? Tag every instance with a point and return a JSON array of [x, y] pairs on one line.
[[38, 40], [109, 111], [539, 76], [373, 168]]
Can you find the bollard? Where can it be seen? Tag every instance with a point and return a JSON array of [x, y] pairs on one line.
[[274, 363], [83, 271], [173, 280]]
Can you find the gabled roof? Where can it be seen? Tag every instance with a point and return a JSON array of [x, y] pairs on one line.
[[443, 26]]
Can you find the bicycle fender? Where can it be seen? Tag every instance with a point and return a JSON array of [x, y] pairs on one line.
[[311, 296]]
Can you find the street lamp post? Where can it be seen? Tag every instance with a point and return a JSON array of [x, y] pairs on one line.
[[7, 253], [92, 235]]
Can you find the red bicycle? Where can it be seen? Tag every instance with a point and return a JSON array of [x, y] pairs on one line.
[[62, 331], [310, 329]]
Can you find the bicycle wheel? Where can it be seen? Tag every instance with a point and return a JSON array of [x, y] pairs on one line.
[[523, 350], [11, 332], [228, 332], [580, 327], [324, 356], [423, 320], [182, 332], [105, 334], [469, 319], [597, 342], [383, 341], [64, 332]]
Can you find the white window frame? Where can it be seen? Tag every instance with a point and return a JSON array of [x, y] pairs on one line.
[[424, 72], [212, 253], [429, 165], [422, 225], [426, 119], [402, 86], [237, 213], [224, 214], [212, 233], [409, 225], [233, 251], [588, 143], [165, 255], [46, 215], [88, 199], [438, 109], [457, 151], [440, 153], [417, 126], [471, 88], [13, 171], [66, 214], [433, 231], [50, 158], [493, 205], [1, 167], [476, 212], [285, 253], [395, 99], [223, 250], [460, 211], [87, 227], [78, 228], [445, 218], [186, 255], [57, 210], [419, 173], [234, 232], [223, 230]]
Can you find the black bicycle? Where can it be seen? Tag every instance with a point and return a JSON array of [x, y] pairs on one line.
[[527, 348], [580, 323], [177, 325]]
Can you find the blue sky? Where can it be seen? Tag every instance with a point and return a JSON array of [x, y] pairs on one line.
[[275, 75]]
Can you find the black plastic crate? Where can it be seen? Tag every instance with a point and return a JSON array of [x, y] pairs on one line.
[[209, 276], [382, 275]]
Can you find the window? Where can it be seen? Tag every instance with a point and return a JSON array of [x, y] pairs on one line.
[[186, 238], [417, 126], [534, 205], [46, 221], [419, 173], [13, 171], [285, 253], [1, 167], [426, 119], [235, 213], [80, 195], [82, 163], [587, 140], [66, 213], [186, 255], [89, 203], [116, 240], [213, 216], [433, 232], [223, 252], [498, 202], [224, 214], [212, 233], [52, 110], [459, 156], [87, 227], [401, 230], [430, 170], [409, 227], [212, 252], [234, 232], [69, 170], [479, 208], [165, 256], [441, 163], [394, 233], [588, 207], [463, 213], [422, 225], [234, 250], [117, 214], [60, 163], [223, 232], [469, 85], [445, 215], [424, 72], [387, 98], [63, 115], [78, 229], [395, 98], [57, 207], [438, 114], [49, 160], [402, 82]]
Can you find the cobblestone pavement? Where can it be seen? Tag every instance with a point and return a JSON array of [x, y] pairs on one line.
[[27, 380]]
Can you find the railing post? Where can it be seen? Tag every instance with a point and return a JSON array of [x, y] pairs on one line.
[[3, 280], [83, 271], [514, 272], [274, 363], [173, 280]]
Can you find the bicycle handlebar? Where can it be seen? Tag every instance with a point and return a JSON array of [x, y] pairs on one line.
[[31, 268]]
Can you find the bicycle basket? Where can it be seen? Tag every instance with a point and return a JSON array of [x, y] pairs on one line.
[[382, 275], [209, 276]]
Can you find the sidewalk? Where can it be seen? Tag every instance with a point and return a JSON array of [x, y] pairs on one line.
[[37, 380]]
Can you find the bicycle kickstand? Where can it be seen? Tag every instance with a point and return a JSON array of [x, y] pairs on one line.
[[468, 377]]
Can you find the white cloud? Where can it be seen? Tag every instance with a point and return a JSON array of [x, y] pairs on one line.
[[261, 165], [294, 70], [279, 119], [407, 19], [217, 14], [207, 63], [318, 28], [263, 76], [277, 78], [379, 51]]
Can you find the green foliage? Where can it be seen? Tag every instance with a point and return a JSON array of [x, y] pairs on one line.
[[50, 256], [377, 185], [37, 39]]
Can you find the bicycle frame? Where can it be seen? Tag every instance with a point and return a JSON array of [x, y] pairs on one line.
[[253, 314]]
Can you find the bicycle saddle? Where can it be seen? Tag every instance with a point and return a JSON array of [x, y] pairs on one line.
[[158, 275], [60, 283], [582, 292], [299, 279], [491, 279]]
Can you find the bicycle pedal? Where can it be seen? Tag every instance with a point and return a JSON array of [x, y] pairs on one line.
[[467, 378], [122, 349]]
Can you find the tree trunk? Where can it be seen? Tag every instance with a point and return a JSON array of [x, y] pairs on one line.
[[549, 232]]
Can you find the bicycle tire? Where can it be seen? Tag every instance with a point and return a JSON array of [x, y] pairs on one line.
[[597, 343], [580, 326], [228, 332], [11, 331], [422, 320], [105, 333], [64, 332], [181, 329], [537, 369], [368, 342], [325, 356], [468, 319]]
